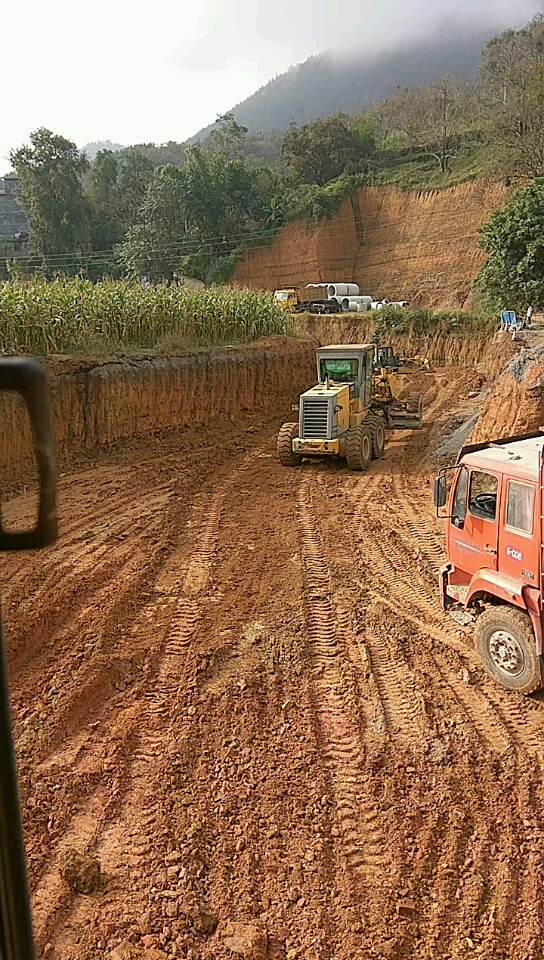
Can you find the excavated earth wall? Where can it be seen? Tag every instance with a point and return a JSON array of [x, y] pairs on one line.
[[516, 403], [488, 355], [96, 406], [420, 246]]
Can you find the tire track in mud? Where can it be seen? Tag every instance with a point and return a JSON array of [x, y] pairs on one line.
[[364, 832], [499, 721], [121, 832]]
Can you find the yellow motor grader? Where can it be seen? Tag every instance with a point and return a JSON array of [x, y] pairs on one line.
[[348, 411]]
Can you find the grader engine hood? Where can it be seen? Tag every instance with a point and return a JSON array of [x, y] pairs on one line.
[[324, 412]]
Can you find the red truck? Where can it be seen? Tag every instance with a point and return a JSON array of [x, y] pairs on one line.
[[494, 549]]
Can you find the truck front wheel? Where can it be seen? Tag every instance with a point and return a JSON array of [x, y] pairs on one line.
[[505, 642]]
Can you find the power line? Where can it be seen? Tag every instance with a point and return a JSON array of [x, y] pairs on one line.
[[195, 244]]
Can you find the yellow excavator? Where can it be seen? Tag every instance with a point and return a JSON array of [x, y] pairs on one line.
[[348, 411]]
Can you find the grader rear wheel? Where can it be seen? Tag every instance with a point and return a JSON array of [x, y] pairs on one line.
[[414, 405], [377, 430], [359, 447]]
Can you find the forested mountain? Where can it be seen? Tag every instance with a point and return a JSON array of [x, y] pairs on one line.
[[91, 149], [326, 84]]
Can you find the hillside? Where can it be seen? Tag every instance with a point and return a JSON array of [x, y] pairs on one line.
[[394, 243], [326, 84]]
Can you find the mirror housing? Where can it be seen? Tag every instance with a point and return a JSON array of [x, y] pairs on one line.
[[440, 492]]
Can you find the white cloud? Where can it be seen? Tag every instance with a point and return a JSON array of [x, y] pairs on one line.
[[131, 72]]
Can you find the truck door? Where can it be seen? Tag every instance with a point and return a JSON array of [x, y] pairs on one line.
[[474, 524], [518, 546]]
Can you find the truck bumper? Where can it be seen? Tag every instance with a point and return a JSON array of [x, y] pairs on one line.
[[318, 448]]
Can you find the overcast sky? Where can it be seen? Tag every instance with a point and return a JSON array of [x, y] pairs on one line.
[[134, 72]]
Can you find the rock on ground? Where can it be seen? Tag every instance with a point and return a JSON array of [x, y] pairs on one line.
[[248, 940], [80, 871]]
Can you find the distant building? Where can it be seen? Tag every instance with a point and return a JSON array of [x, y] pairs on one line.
[[13, 221]]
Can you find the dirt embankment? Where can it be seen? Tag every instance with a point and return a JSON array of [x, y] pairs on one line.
[[96, 406], [489, 356], [516, 404], [414, 245]]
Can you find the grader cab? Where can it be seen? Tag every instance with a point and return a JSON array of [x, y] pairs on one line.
[[347, 412]]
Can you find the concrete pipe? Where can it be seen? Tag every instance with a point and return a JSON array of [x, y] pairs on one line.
[[351, 306], [343, 290]]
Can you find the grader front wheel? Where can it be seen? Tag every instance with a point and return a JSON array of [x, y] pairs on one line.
[[286, 456], [359, 447]]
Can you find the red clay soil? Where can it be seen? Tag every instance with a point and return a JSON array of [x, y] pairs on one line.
[[234, 686], [515, 405], [420, 246]]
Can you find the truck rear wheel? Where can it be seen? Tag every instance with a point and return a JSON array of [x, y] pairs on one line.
[[287, 434], [505, 642], [359, 447], [377, 431]]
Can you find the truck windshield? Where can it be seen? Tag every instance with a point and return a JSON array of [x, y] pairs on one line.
[[341, 371]]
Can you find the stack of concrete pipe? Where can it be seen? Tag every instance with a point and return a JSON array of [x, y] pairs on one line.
[[356, 304]]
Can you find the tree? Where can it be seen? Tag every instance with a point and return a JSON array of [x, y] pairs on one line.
[[134, 176], [50, 172], [228, 136], [154, 245], [511, 84], [203, 211], [513, 238], [320, 152], [116, 189], [104, 170], [432, 116]]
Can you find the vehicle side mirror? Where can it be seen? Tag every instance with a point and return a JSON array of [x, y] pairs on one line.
[[440, 492]]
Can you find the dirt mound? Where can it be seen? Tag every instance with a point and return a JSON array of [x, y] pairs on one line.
[[516, 403], [413, 245]]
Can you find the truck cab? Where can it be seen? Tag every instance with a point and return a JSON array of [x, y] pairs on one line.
[[288, 298], [493, 574]]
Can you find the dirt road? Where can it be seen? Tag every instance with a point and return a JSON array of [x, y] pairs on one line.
[[234, 685]]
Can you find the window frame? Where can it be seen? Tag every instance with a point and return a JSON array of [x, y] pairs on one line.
[[486, 473], [325, 360], [508, 526], [463, 472]]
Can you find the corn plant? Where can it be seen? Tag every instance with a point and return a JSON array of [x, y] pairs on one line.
[[73, 316]]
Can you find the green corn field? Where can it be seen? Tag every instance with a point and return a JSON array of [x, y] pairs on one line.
[[75, 316]]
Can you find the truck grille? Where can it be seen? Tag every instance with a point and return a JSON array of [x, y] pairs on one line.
[[314, 418]]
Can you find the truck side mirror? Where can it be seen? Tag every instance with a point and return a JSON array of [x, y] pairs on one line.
[[440, 492]]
